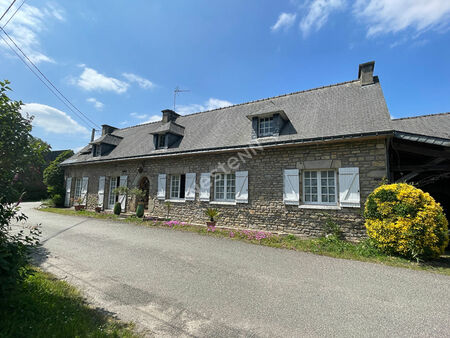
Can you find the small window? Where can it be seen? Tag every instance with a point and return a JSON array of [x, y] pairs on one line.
[[177, 186], [225, 187], [319, 187], [265, 126], [161, 141], [97, 150], [77, 193]]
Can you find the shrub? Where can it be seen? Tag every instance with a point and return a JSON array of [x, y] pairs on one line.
[[405, 220], [117, 209], [140, 210], [54, 175], [14, 248], [58, 200]]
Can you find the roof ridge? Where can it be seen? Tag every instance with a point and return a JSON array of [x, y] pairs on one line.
[[253, 101], [272, 97], [419, 116]]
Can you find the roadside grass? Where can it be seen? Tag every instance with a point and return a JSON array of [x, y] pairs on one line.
[[43, 306], [327, 246]]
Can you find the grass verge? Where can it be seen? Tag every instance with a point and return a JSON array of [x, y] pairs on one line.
[[330, 246], [43, 306]]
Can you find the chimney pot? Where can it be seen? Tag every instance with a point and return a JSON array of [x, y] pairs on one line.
[[365, 73], [93, 135]]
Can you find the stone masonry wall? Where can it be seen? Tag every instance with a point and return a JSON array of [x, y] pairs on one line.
[[265, 208]]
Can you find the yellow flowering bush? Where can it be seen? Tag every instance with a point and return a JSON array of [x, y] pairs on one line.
[[403, 219]]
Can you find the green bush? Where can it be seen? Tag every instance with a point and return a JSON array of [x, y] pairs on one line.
[[404, 220], [140, 210], [15, 248], [58, 200], [117, 209], [54, 175]]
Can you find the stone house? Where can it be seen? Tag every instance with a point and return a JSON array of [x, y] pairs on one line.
[[287, 163]]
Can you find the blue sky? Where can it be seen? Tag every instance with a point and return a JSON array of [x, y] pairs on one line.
[[119, 61]]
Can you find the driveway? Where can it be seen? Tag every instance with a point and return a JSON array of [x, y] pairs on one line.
[[173, 283]]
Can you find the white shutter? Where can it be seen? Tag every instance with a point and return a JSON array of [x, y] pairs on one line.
[[349, 187], [68, 187], [161, 186], [123, 198], [205, 186], [84, 189], [189, 192], [291, 186], [241, 186], [101, 191]]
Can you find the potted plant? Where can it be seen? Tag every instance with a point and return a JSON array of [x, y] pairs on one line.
[[78, 206], [139, 197], [213, 215]]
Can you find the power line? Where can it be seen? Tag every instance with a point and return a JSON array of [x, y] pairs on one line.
[[50, 82], [12, 3], [45, 84], [18, 8]]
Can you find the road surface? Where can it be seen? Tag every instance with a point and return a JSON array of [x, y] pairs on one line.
[[174, 283]]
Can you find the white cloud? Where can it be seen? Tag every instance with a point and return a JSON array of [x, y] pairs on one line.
[[392, 16], [212, 103], [318, 13], [142, 82], [53, 120], [285, 20], [146, 117], [26, 25], [91, 80], [97, 104]]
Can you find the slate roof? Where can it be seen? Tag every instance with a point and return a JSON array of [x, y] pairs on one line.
[[108, 139], [171, 127], [434, 125], [336, 111]]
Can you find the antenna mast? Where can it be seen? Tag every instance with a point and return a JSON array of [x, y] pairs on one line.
[[175, 93]]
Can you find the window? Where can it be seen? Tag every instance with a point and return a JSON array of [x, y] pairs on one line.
[[161, 140], [265, 126], [98, 150], [77, 193], [319, 187], [177, 186], [113, 198], [225, 187]]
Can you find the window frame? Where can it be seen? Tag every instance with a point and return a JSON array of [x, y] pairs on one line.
[[319, 187], [78, 188], [181, 187], [161, 139], [229, 181], [267, 131], [110, 189]]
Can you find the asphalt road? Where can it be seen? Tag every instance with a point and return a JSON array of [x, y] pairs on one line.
[[174, 283]]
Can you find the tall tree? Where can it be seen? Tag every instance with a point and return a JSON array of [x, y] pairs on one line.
[[19, 150]]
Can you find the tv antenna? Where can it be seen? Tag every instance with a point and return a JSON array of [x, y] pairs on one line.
[[175, 93]]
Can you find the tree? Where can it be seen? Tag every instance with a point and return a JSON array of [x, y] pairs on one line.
[[19, 150], [54, 175]]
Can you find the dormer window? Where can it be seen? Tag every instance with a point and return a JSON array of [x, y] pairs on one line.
[[161, 141], [265, 126], [98, 150]]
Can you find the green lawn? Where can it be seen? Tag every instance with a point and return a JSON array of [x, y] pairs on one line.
[[43, 306], [331, 246]]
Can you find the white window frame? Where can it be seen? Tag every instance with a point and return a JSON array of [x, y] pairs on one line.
[[178, 192], [265, 126], [319, 187], [111, 195], [78, 187], [226, 184]]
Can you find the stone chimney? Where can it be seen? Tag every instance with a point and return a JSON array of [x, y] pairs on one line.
[[169, 115], [365, 73], [106, 129]]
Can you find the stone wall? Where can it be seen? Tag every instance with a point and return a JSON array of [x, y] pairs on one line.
[[265, 208]]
